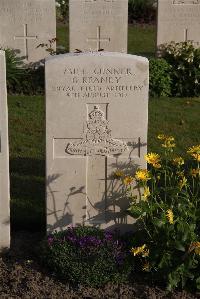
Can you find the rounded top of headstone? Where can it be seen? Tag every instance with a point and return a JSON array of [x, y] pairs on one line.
[[98, 54]]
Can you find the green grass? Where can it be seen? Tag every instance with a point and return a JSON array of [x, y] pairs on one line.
[[63, 36], [141, 39], [27, 161], [27, 148], [174, 116]]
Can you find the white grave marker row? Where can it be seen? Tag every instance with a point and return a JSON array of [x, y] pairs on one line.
[[4, 160]]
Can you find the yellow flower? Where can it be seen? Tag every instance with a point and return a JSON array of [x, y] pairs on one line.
[[182, 182], [141, 250], [118, 174], [146, 267], [170, 216], [128, 180], [195, 172], [142, 175], [161, 136], [194, 246], [158, 177], [180, 174], [178, 161], [146, 193], [194, 151], [153, 159], [168, 141]]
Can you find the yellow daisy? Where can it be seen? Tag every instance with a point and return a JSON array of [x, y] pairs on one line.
[[153, 159], [128, 180], [146, 193], [142, 175], [195, 172], [194, 151], [170, 216], [178, 161], [194, 246], [141, 250]]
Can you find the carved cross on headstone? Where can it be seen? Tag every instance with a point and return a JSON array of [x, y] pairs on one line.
[[186, 37], [96, 145], [98, 39], [25, 38]]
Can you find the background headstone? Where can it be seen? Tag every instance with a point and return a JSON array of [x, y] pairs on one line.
[[178, 21], [24, 24], [4, 160], [96, 123], [98, 24]]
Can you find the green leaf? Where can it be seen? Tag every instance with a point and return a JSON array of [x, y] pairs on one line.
[[198, 283], [157, 222], [179, 246]]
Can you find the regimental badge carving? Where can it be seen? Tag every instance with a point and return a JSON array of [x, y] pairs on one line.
[[186, 1], [96, 139]]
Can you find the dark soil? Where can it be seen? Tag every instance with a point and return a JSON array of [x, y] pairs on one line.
[[21, 276]]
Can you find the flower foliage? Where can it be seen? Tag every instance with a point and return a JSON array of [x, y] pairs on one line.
[[185, 60], [167, 210], [87, 255]]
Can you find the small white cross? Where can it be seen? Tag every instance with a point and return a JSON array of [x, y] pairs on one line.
[[25, 37], [98, 39]]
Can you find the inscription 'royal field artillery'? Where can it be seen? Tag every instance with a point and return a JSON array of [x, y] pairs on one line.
[[93, 128], [178, 21]]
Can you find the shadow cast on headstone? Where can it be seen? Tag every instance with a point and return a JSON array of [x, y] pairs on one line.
[[112, 208], [27, 186], [62, 218]]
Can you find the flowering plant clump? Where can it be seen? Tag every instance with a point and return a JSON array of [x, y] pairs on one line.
[[184, 57], [87, 255], [167, 210]]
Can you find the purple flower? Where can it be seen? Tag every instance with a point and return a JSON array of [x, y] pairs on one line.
[[50, 240]]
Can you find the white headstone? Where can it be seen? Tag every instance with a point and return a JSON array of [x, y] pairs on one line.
[[4, 160], [96, 123], [178, 21], [24, 24], [98, 24]]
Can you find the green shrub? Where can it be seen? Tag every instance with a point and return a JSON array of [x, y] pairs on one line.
[[14, 68], [143, 11], [23, 79], [86, 255], [31, 82], [159, 77], [62, 8], [185, 61], [167, 246]]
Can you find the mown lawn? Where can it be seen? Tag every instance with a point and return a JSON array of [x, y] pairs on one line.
[[178, 117]]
